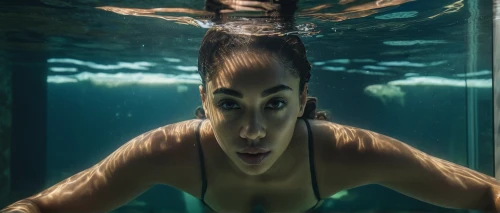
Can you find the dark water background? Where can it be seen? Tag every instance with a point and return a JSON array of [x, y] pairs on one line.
[[85, 122]]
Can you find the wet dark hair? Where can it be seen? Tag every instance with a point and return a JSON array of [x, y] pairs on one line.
[[218, 45]]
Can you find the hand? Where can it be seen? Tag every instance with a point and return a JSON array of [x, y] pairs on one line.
[[227, 6]]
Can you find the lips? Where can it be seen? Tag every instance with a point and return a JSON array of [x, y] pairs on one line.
[[253, 157], [253, 150]]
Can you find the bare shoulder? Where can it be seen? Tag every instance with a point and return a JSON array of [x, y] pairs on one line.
[[358, 147], [333, 137], [171, 149], [175, 151], [344, 154]]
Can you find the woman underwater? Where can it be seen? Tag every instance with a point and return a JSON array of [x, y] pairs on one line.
[[258, 140]]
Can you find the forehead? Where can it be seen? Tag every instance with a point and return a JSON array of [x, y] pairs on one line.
[[251, 70]]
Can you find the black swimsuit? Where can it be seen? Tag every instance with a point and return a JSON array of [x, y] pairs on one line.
[[311, 167]]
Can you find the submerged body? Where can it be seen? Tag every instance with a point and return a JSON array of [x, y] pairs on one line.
[[345, 157]]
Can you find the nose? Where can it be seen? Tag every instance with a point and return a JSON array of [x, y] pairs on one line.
[[252, 128]]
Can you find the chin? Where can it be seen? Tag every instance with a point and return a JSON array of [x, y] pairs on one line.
[[254, 170]]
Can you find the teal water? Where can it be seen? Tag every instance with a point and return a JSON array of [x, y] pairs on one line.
[[111, 76]]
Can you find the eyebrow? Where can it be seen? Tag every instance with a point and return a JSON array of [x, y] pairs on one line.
[[264, 93]]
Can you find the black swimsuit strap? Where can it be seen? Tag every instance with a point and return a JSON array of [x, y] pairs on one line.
[[311, 161], [202, 163]]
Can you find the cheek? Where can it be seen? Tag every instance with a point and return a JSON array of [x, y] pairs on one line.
[[283, 123], [225, 130], [282, 126]]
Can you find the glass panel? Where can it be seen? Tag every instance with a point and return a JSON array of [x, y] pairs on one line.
[[496, 89], [479, 100]]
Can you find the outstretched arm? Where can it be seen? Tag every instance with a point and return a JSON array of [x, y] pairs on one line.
[[405, 169], [386, 161], [133, 168]]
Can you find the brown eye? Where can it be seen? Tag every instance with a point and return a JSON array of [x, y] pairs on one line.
[[276, 104], [227, 105]]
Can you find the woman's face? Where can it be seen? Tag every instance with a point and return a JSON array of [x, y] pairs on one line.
[[253, 103]]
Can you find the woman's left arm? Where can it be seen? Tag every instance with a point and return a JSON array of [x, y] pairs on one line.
[[409, 171], [372, 158]]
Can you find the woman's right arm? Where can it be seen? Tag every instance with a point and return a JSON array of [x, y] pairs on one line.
[[132, 169]]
